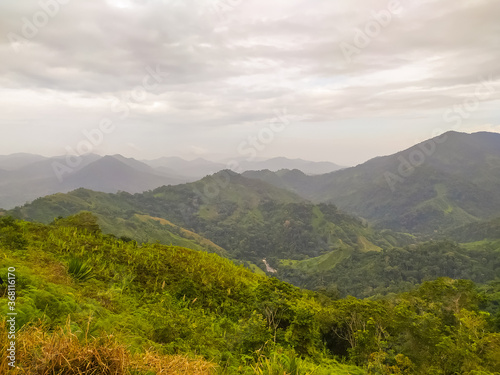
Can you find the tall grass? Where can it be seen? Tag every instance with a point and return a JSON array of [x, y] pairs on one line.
[[39, 352]]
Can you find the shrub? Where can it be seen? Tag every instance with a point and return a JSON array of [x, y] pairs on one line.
[[80, 270]]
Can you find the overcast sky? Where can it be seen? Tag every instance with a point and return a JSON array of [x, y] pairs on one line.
[[334, 80]]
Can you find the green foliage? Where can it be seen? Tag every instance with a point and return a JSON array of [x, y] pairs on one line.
[[456, 184], [83, 220], [393, 270], [246, 220], [476, 231], [11, 234], [80, 270], [180, 301]]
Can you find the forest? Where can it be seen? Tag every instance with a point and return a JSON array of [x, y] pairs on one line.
[[123, 307]]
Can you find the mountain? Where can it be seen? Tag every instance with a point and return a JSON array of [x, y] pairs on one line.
[[60, 174], [192, 169], [444, 182], [19, 160], [17, 186], [114, 173], [292, 180], [44, 169], [24, 177], [276, 164], [250, 219], [478, 231], [200, 167]]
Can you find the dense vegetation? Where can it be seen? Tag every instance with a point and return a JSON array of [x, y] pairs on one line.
[[249, 219], [394, 270], [439, 184], [479, 231], [126, 308]]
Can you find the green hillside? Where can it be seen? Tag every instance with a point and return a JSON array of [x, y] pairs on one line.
[[394, 270], [442, 183], [478, 231], [244, 219], [89, 303]]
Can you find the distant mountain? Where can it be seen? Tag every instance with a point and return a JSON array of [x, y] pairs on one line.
[[192, 169], [250, 219], [113, 173], [24, 177], [17, 186], [444, 182], [200, 168], [276, 164], [293, 180], [44, 168], [107, 174], [19, 160]]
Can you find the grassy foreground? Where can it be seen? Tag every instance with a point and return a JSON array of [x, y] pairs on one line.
[[88, 303]]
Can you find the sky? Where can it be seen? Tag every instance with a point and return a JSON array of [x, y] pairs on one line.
[[323, 80]]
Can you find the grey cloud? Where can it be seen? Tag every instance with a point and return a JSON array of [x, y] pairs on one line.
[[238, 67]]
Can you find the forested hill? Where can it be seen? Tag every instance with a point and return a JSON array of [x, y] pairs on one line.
[[436, 185], [88, 300], [478, 231], [248, 218]]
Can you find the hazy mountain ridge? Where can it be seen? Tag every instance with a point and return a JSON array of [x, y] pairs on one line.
[[276, 164], [24, 177], [249, 218], [455, 182], [18, 160]]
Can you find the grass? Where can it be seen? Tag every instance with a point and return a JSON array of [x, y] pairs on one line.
[[39, 352], [285, 362]]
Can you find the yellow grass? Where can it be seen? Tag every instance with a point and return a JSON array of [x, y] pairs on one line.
[[62, 353]]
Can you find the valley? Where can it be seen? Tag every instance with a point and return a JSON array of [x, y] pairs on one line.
[[290, 254]]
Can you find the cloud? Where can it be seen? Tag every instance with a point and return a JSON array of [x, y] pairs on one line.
[[230, 66]]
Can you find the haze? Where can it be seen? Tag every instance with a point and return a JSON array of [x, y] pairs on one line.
[[252, 78]]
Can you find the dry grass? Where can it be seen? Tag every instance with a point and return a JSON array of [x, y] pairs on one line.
[[62, 353]]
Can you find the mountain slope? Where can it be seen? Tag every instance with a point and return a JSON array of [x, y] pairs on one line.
[[89, 303], [18, 160], [479, 231], [111, 174], [193, 169], [116, 213], [393, 270], [248, 218], [438, 184], [108, 174]]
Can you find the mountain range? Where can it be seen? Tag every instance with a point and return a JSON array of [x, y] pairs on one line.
[[444, 182], [318, 231], [24, 177], [246, 218]]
